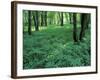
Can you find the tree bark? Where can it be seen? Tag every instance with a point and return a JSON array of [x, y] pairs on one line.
[[75, 37], [29, 22], [62, 24], [45, 18], [84, 24], [88, 20], [71, 18], [36, 22], [42, 18]]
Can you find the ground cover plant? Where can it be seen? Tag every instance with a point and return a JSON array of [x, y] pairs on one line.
[[56, 39]]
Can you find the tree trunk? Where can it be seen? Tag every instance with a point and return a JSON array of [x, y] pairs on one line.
[[67, 17], [75, 37], [36, 22], [88, 20], [29, 22], [45, 18], [62, 19], [84, 24], [42, 18], [71, 18]]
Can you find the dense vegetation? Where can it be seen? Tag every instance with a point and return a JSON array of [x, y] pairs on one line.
[[55, 39]]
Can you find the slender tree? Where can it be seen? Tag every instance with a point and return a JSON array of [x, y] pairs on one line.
[[88, 20], [71, 18], [84, 24], [62, 21], [42, 18], [36, 22], [75, 37], [29, 22], [45, 18], [67, 17]]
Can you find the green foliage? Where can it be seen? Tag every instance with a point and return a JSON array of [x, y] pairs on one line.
[[69, 55], [54, 47]]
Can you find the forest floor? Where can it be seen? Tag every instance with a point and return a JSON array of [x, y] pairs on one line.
[[54, 47]]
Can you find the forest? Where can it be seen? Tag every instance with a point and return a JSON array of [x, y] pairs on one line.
[[56, 39]]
